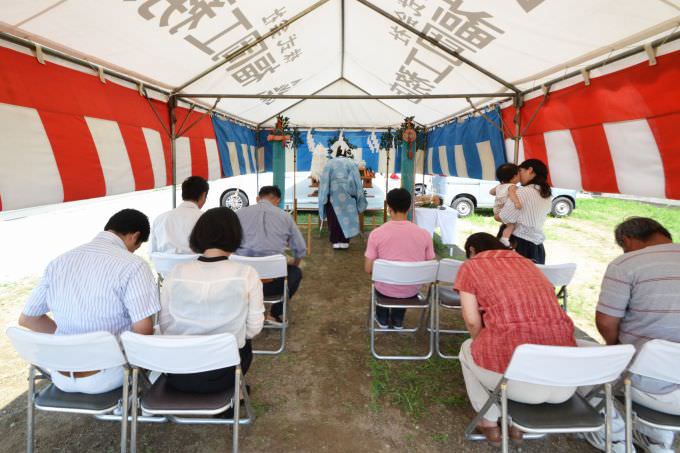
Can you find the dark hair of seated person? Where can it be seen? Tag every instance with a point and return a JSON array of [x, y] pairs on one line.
[[129, 221], [399, 200], [482, 242], [193, 187], [217, 228], [269, 190]]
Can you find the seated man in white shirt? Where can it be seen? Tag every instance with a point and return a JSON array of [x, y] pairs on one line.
[[99, 286], [171, 230]]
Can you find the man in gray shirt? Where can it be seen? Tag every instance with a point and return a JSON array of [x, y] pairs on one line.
[[269, 230], [639, 302]]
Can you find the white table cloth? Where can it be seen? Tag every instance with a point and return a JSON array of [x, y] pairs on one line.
[[444, 219]]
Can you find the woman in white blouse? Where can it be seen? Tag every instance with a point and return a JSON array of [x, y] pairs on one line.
[[535, 196], [213, 295]]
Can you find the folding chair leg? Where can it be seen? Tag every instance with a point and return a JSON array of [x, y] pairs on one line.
[[30, 414], [134, 409], [608, 414], [246, 400], [629, 415], [504, 417], [237, 408], [282, 329], [493, 398], [124, 418], [430, 324], [438, 331]]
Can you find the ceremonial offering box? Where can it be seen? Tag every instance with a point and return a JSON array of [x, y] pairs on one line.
[[367, 176], [428, 201]]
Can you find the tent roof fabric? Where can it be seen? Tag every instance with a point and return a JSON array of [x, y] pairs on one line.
[[341, 46]]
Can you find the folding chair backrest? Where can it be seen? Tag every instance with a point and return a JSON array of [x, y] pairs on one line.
[[84, 352], [558, 274], [405, 273], [448, 270], [274, 266], [658, 359], [562, 366], [181, 354], [164, 262]]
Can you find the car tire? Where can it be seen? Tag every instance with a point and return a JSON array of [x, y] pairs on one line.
[[562, 207], [234, 199], [464, 206]]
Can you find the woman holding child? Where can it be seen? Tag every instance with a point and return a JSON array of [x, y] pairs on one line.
[[506, 301], [525, 209]]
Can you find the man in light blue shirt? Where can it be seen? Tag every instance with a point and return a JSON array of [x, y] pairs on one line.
[[99, 286], [269, 230]]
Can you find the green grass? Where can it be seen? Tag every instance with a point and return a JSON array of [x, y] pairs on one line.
[[416, 387], [608, 212]]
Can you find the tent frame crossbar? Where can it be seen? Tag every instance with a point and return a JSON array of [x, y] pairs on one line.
[[597, 65], [246, 48], [602, 63], [298, 102], [183, 131], [440, 46], [145, 87], [341, 96]]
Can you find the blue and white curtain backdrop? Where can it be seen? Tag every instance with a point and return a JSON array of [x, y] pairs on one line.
[[237, 147], [315, 148], [469, 148]]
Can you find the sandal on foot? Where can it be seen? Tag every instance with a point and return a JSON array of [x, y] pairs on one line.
[[491, 433]]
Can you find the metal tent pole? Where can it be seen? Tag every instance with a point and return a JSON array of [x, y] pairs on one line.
[[173, 147], [342, 96], [517, 121], [257, 158], [244, 49], [440, 46]]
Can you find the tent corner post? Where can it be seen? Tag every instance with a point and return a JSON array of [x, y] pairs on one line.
[[519, 100], [172, 103]]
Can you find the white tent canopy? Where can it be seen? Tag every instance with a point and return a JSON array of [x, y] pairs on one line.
[[341, 47]]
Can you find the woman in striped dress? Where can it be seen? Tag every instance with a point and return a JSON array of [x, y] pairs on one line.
[[535, 197]]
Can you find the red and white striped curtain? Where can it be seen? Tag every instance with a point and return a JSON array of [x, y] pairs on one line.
[[65, 136], [620, 134]]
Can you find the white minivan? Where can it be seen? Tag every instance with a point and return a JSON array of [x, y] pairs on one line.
[[236, 192], [467, 194]]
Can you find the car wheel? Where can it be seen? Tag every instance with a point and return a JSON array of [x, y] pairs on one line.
[[562, 207], [234, 199], [420, 189], [464, 206]]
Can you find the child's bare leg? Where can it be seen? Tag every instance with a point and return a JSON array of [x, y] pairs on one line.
[[507, 232]]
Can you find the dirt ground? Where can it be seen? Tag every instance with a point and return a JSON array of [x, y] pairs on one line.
[[322, 394]]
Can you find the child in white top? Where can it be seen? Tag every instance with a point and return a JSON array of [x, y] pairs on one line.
[[508, 176]]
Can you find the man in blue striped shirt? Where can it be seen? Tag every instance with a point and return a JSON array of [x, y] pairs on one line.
[[99, 286]]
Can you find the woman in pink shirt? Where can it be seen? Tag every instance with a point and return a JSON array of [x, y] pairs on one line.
[[506, 302], [397, 240]]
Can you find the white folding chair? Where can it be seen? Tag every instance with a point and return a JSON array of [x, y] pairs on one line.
[[447, 299], [560, 367], [657, 359], [184, 354], [91, 351], [403, 273], [271, 267], [560, 275], [165, 262]]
